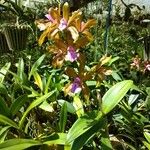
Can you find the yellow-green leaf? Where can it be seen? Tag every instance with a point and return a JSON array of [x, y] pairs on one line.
[[113, 96], [78, 106], [147, 136], [38, 80], [18, 144]]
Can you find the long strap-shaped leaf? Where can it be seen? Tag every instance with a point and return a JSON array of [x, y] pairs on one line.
[[57, 138], [36, 65], [8, 121], [113, 96], [81, 126], [18, 103], [3, 71], [79, 142], [18, 144], [33, 105]]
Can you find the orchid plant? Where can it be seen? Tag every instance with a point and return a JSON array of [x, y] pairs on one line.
[[69, 33], [140, 65]]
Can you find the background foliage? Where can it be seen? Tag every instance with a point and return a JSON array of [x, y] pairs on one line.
[[36, 113]]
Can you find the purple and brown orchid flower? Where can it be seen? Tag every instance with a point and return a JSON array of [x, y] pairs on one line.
[[78, 79], [56, 23], [78, 83], [83, 27], [66, 50], [100, 71]]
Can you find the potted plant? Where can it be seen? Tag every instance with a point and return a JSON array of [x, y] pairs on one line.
[[16, 36], [3, 43], [16, 33]]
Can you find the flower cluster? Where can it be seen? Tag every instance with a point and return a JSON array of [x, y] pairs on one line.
[[81, 75], [69, 34], [139, 65], [67, 31]]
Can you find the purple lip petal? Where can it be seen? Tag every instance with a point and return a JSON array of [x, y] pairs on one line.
[[76, 85], [63, 24], [71, 54]]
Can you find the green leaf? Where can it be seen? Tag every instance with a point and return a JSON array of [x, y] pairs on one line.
[[34, 93], [113, 60], [147, 102], [134, 87], [8, 8], [3, 136], [79, 142], [4, 129], [16, 7], [132, 98], [81, 125], [46, 106], [3, 90], [116, 76], [147, 136], [77, 103], [18, 144], [3, 133], [113, 96], [148, 90], [57, 138], [33, 105], [36, 65], [4, 110], [91, 83], [70, 107], [63, 117], [146, 144], [105, 140], [18, 103], [129, 145], [16, 77], [3, 71], [20, 70], [8, 121], [48, 83]]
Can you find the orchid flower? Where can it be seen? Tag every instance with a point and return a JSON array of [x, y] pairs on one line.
[[58, 23], [83, 27], [65, 50], [136, 62], [99, 70], [146, 66], [72, 55], [76, 85], [63, 24]]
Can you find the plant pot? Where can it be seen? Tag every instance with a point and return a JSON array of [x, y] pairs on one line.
[[16, 36], [3, 44]]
